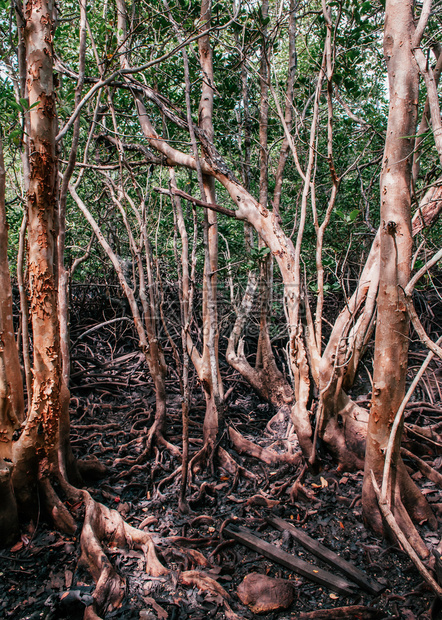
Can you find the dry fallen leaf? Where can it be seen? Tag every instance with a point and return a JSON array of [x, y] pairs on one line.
[[68, 576], [162, 613]]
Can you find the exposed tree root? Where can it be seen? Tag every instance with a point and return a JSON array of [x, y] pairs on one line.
[[203, 459], [280, 417], [353, 612], [165, 481], [409, 506], [345, 434], [298, 488], [232, 467], [426, 469], [58, 512], [200, 580], [102, 524], [270, 457], [154, 437], [426, 434], [413, 500], [9, 529], [206, 490], [404, 540]]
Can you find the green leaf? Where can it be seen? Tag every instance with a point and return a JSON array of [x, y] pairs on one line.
[[15, 105], [354, 214]]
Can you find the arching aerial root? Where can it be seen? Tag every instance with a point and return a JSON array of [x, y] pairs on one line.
[[268, 456], [154, 438]]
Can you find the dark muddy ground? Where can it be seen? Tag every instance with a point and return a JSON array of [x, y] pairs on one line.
[[112, 408]]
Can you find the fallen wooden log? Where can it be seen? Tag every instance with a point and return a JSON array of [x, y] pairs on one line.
[[310, 571], [352, 612], [327, 555]]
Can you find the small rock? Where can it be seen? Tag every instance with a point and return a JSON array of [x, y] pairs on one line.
[[263, 594], [124, 508]]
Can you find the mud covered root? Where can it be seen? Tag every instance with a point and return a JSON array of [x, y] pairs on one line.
[[205, 583], [103, 525]]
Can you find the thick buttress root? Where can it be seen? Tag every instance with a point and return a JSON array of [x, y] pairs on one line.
[[345, 434], [103, 524], [105, 527], [9, 528]]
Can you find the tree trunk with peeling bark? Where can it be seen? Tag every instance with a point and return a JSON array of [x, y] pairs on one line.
[[391, 344], [35, 459], [11, 381], [39, 439]]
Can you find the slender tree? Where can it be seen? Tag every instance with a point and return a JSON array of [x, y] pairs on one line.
[[391, 347], [11, 382]]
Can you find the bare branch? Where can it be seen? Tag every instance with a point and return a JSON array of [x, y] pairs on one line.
[[196, 201], [422, 23]]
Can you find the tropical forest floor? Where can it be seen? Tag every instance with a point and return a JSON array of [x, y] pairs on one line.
[[112, 408]]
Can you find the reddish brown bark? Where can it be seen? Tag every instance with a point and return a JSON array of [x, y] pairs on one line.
[[11, 383], [40, 435], [391, 344]]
